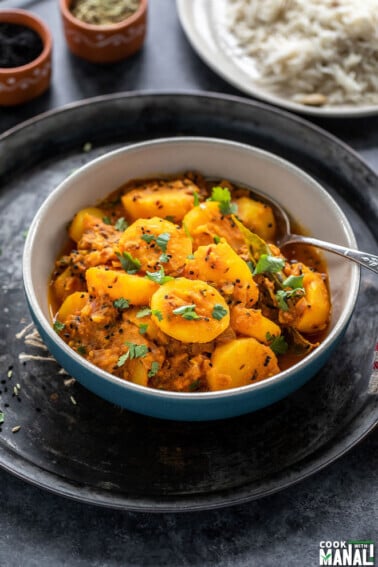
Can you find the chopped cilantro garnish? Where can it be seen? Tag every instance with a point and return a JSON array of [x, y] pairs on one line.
[[143, 312], [223, 196], [277, 344], [129, 264], [147, 311], [219, 312], [158, 277], [187, 312], [58, 326], [155, 367], [106, 220], [148, 238], [122, 359], [134, 351], [216, 239], [121, 303], [268, 263], [121, 224], [190, 256], [283, 295], [295, 282], [164, 258], [143, 328], [158, 314], [81, 349], [196, 199], [162, 241], [281, 300]]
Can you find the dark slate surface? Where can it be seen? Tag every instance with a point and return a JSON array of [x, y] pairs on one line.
[[340, 502]]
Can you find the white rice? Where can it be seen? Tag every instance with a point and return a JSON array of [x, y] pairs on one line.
[[327, 49]]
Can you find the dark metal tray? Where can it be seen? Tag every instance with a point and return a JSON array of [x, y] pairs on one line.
[[79, 446]]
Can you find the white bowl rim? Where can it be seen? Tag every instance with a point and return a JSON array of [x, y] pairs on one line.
[[167, 394]]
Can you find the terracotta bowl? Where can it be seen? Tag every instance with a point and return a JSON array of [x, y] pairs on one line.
[[108, 43], [20, 84]]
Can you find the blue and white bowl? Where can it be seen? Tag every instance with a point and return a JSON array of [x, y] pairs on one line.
[[302, 197]]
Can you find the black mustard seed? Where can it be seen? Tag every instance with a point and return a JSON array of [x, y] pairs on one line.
[[19, 45]]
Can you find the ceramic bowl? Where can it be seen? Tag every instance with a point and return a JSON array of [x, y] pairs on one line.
[[301, 195], [20, 84], [107, 43]]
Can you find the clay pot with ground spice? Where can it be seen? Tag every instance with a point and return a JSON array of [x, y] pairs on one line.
[[25, 57], [101, 41]]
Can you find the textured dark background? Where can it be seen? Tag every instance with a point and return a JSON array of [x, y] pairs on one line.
[[340, 502]]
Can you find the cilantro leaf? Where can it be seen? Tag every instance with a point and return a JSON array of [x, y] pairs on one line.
[[134, 351], [281, 300], [216, 239], [137, 351], [58, 326], [158, 277], [143, 312], [162, 241], [106, 220], [129, 264], [295, 282], [277, 344], [148, 238], [196, 199], [164, 258], [155, 367], [187, 312], [121, 224], [147, 311], [283, 295], [219, 312], [122, 359], [158, 314], [143, 328], [121, 303], [223, 196], [269, 264]]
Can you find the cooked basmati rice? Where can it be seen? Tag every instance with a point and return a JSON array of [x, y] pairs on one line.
[[314, 52]]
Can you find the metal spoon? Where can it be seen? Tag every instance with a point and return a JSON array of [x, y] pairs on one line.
[[285, 237]]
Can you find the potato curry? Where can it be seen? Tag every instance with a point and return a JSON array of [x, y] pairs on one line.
[[176, 284]]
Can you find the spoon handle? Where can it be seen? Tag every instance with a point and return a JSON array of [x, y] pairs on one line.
[[365, 259]]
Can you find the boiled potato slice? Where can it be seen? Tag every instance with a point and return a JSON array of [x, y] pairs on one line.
[[191, 311], [74, 303], [239, 363], [315, 306], [115, 284], [252, 323], [76, 227], [206, 221], [66, 283], [219, 264], [156, 241], [164, 199], [258, 217]]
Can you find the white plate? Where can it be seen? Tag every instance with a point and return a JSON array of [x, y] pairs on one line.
[[203, 23]]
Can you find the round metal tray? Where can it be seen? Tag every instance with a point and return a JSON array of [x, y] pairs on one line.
[[79, 446]]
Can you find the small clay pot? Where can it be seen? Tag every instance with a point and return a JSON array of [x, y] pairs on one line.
[[23, 83], [107, 43]]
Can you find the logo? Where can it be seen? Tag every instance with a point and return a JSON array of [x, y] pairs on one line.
[[346, 553]]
